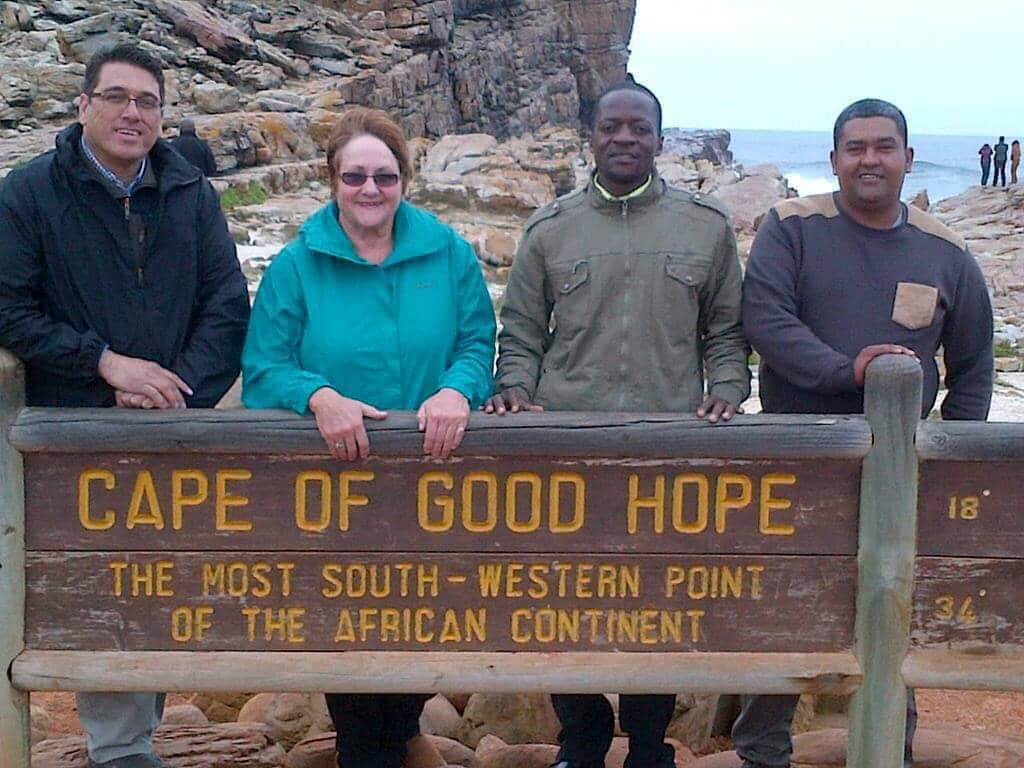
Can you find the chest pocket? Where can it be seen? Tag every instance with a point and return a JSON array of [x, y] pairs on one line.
[[571, 287], [689, 269]]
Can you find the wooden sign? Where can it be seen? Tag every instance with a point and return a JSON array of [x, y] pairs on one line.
[[277, 552]]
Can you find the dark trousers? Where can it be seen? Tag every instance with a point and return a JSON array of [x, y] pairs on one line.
[[985, 167], [763, 731], [372, 728], [1000, 173], [588, 724]]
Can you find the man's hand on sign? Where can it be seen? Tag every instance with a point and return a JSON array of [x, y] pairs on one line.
[[135, 376], [443, 417], [869, 353], [129, 400], [340, 421], [513, 399], [715, 409]]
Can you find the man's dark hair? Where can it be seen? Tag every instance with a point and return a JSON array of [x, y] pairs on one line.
[[870, 108], [188, 125], [1002, 139], [125, 53], [627, 85]]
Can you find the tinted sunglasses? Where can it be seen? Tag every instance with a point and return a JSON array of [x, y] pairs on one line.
[[382, 180]]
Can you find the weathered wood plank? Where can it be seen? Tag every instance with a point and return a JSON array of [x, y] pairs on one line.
[[569, 435], [14, 709], [970, 441], [224, 502], [983, 668], [885, 561], [971, 509], [396, 672], [264, 601], [969, 603]]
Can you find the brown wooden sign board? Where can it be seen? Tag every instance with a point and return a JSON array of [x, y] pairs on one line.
[[107, 502], [971, 509], [409, 601]]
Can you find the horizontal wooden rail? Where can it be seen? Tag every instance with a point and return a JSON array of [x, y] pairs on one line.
[[396, 672], [565, 435], [970, 441]]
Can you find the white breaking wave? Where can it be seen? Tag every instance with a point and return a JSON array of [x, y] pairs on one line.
[[812, 185]]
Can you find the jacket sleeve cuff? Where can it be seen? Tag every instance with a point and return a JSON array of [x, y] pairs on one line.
[[733, 394]]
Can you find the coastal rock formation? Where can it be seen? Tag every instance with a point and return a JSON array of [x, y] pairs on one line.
[[439, 66]]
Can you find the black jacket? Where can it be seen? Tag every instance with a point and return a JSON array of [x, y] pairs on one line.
[[71, 283], [196, 151]]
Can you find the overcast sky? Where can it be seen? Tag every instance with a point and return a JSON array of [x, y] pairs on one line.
[[952, 66]]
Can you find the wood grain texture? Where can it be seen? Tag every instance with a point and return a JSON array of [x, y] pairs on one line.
[[978, 668], [971, 508], [14, 709], [396, 672], [970, 441], [496, 512], [564, 434], [969, 603], [885, 559], [404, 601]]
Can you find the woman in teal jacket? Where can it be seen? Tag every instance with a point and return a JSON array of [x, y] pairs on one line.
[[375, 305]]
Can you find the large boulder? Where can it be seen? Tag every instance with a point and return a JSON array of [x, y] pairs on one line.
[[289, 717], [239, 745], [440, 718], [492, 752], [751, 197], [947, 747], [516, 718]]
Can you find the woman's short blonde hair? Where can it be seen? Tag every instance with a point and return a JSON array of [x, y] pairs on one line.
[[363, 121]]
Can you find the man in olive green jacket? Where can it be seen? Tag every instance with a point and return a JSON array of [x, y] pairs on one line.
[[623, 296]]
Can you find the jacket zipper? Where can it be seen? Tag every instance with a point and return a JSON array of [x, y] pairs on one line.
[[128, 224]]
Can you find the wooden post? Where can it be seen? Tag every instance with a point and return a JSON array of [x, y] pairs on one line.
[[14, 712], [885, 559]]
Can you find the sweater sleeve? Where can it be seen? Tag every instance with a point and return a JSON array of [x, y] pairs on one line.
[[471, 371], [209, 361], [967, 348], [271, 374], [525, 334], [26, 328], [772, 323], [725, 348]]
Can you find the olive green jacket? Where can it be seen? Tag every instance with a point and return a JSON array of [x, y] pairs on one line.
[[625, 305]]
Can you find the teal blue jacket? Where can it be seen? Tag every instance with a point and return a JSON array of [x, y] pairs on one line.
[[390, 335]]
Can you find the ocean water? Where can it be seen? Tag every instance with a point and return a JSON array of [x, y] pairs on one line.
[[944, 165]]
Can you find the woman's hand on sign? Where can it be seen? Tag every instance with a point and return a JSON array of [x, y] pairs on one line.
[[443, 417], [340, 421], [513, 399]]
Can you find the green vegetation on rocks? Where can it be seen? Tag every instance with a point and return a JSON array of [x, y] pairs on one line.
[[251, 194]]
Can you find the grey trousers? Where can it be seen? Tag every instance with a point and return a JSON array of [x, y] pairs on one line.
[[119, 724], [763, 731]]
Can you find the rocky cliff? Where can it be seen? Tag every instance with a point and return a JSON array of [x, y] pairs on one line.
[[282, 68]]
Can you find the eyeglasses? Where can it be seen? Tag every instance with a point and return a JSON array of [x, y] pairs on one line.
[[382, 180], [119, 98]]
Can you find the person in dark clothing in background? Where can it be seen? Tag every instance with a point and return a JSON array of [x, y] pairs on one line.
[[999, 172], [834, 281], [119, 285], [986, 162], [194, 149]]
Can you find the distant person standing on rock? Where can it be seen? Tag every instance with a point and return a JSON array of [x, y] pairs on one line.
[[1014, 160], [986, 162], [999, 172], [834, 281], [194, 149], [644, 282]]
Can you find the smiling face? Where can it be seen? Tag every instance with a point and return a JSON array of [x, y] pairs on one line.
[[366, 209], [871, 160], [120, 136], [625, 140]]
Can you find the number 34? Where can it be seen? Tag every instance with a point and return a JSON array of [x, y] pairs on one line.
[[950, 608]]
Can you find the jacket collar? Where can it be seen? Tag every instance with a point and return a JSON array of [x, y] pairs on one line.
[[171, 170], [651, 194], [416, 234]]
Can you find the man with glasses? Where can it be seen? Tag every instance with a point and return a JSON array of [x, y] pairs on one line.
[[119, 286]]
